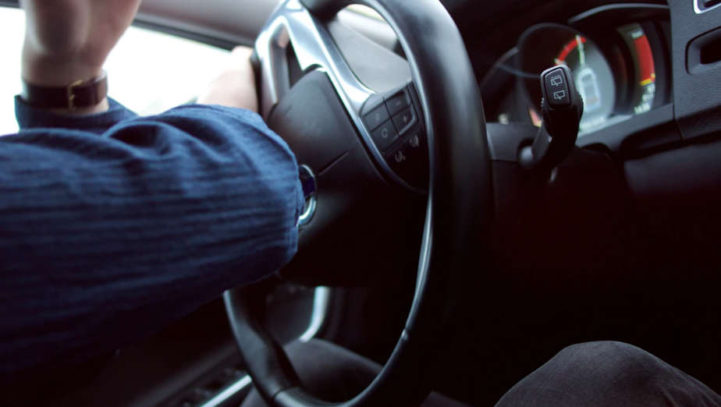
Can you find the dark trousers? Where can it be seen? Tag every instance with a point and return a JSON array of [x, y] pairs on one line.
[[594, 374]]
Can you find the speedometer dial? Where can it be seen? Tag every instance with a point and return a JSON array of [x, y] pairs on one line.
[[594, 80]]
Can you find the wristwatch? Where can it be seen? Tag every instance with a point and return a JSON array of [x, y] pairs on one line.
[[79, 94]]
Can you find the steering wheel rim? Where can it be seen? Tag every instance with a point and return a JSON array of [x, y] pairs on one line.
[[457, 221]]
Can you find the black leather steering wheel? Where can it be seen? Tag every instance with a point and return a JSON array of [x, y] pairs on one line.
[[457, 222]]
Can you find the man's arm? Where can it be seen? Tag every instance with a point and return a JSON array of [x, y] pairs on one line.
[[104, 239], [69, 40], [113, 225]]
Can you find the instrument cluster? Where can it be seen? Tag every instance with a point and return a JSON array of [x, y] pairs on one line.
[[618, 61]]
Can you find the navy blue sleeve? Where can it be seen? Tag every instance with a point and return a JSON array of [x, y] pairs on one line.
[[112, 225]]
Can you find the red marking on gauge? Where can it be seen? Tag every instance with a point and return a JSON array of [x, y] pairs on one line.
[[567, 49], [646, 67]]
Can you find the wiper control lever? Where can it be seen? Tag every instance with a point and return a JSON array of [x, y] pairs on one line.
[[562, 108]]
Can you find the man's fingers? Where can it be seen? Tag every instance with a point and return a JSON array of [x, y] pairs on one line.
[[242, 52], [240, 58], [235, 87]]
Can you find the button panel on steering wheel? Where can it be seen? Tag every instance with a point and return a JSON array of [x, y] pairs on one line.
[[394, 123]]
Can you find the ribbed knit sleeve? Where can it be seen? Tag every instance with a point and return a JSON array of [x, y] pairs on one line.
[[113, 225]]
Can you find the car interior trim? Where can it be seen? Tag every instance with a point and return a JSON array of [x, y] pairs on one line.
[[321, 302], [699, 9], [645, 8], [190, 33], [221, 398]]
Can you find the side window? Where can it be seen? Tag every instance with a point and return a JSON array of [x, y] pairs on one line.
[[148, 71], [12, 30]]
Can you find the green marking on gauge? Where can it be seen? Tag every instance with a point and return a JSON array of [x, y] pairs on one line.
[[581, 50]]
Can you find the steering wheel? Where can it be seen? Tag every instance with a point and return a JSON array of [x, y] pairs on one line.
[[459, 209]]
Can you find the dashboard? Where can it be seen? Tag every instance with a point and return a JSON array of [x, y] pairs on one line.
[[618, 56]]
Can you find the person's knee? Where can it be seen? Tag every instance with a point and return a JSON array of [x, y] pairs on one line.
[[608, 374], [608, 360], [617, 352], [603, 373]]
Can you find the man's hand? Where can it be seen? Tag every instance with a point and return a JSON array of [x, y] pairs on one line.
[[69, 40], [235, 87]]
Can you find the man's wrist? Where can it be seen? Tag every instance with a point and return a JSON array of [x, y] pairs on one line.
[[60, 71], [56, 70]]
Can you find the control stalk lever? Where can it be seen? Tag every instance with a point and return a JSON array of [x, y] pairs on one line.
[[562, 108]]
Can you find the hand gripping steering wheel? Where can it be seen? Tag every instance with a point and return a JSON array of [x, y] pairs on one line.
[[459, 208]]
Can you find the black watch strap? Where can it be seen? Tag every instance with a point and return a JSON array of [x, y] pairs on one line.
[[77, 95]]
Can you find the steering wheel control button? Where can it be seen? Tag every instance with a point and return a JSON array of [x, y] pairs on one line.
[[556, 88], [409, 159], [385, 135], [404, 119], [398, 102], [376, 117]]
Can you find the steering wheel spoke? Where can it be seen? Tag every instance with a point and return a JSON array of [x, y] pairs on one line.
[[388, 122], [293, 26]]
